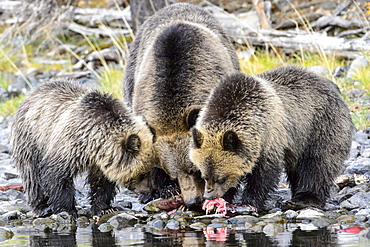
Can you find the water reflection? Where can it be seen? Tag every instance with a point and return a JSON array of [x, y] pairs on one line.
[[292, 235]]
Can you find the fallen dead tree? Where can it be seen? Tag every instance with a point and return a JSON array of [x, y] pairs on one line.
[[110, 22], [292, 41]]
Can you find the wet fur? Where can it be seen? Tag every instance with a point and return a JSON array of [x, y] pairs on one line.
[[178, 56], [62, 129], [252, 127]]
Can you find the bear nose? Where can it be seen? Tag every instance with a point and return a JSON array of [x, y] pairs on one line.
[[209, 195], [193, 202]]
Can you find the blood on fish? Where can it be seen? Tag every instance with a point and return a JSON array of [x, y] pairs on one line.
[[356, 229], [14, 186]]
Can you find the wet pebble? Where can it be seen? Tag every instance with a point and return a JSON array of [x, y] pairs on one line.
[[291, 214], [123, 220], [12, 215], [321, 222], [157, 224], [272, 229], [173, 225], [105, 227], [358, 200], [242, 220], [83, 222], [310, 213], [5, 234], [218, 225], [198, 225]]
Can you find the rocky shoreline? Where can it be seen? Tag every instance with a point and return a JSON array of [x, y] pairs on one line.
[[347, 211]]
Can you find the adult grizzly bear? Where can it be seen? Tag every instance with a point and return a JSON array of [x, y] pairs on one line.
[[178, 56], [62, 129], [252, 126]]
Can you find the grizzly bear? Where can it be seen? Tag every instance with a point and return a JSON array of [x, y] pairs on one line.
[[253, 126], [62, 129], [178, 56]]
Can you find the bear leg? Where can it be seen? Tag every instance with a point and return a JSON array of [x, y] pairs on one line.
[[102, 192], [35, 192], [313, 175], [57, 183], [262, 181]]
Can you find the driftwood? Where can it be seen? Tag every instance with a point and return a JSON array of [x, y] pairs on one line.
[[89, 22], [315, 42]]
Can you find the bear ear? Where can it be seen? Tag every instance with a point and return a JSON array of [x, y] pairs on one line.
[[197, 138], [133, 143], [230, 141], [192, 116]]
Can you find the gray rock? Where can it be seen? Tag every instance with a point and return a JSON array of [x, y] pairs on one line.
[[365, 153], [43, 221], [5, 234], [360, 166], [242, 219], [341, 71], [272, 229], [157, 224], [161, 216], [310, 213], [4, 95], [320, 70], [355, 150], [218, 225], [8, 175], [63, 218], [20, 86], [82, 222], [173, 225], [291, 214], [123, 220], [106, 227], [15, 195], [358, 200], [198, 225], [12, 215], [321, 222], [365, 211], [357, 64]]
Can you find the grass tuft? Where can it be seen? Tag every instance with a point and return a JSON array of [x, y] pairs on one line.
[[111, 80]]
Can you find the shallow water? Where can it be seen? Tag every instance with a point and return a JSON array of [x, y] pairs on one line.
[[291, 235]]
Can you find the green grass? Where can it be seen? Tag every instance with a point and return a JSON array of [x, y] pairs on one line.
[[111, 80], [10, 106], [110, 77]]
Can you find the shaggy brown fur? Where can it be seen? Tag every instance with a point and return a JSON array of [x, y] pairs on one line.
[[252, 127], [178, 56], [63, 129]]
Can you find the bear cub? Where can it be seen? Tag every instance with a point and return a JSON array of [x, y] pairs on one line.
[[62, 129], [253, 126]]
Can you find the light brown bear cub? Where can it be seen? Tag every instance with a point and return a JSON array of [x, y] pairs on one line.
[[62, 129], [253, 126]]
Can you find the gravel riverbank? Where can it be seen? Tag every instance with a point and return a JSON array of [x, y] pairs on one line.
[[347, 211]]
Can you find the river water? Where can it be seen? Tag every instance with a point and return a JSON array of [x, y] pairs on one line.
[[292, 235]]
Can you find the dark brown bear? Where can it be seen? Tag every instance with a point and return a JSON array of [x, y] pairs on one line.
[[253, 126], [62, 129], [177, 58]]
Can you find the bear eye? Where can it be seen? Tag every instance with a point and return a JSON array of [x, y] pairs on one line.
[[133, 143], [221, 180]]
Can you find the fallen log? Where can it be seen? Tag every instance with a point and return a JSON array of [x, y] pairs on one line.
[[310, 41]]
